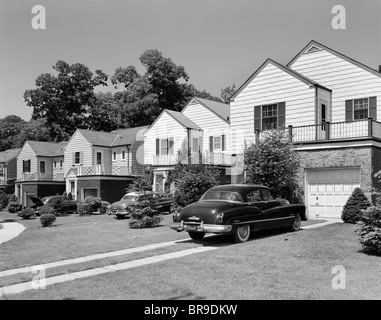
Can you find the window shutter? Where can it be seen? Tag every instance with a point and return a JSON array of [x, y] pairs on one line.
[[73, 162], [171, 143], [211, 143], [257, 117], [223, 144], [373, 108], [348, 110], [23, 166], [157, 147], [81, 157], [281, 114], [29, 165]]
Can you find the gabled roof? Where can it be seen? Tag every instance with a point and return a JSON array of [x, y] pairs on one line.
[[98, 138], [315, 46], [182, 119], [9, 154], [45, 149], [283, 68], [222, 110], [128, 136]]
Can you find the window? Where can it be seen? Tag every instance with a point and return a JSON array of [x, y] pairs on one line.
[[360, 107], [99, 157], [42, 166], [195, 145], [61, 163], [217, 143], [254, 196], [123, 155], [77, 158], [267, 195], [114, 156], [269, 116], [26, 166], [164, 147], [55, 164]]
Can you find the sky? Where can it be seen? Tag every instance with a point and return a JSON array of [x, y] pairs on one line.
[[218, 42]]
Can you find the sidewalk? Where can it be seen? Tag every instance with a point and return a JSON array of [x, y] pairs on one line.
[[10, 230], [322, 224]]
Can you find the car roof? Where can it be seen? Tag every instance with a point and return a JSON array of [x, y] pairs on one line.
[[242, 189]]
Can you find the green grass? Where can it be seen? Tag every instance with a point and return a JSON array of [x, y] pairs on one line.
[[274, 264]]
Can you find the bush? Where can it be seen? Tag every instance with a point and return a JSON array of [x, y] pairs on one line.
[[94, 203], [47, 219], [46, 209], [370, 232], [13, 207], [352, 210], [14, 198], [143, 216], [27, 213], [83, 209], [57, 204]]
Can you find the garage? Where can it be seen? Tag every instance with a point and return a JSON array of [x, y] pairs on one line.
[[329, 189]]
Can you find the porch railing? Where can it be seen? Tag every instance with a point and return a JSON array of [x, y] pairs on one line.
[[101, 170]]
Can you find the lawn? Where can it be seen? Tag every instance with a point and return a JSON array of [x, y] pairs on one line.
[[272, 265]]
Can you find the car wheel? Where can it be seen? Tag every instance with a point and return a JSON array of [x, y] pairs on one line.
[[297, 223], [196, 235], [242, 233]]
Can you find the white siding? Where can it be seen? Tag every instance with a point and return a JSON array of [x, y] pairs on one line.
[[119, 161], [271, 85], [78, 143], [165, 127], [58, 170], [26, 153], [347, 80], [210, 123]]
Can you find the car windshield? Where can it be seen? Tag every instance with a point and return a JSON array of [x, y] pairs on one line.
[[44, 199], [222, 196], [129, 197]]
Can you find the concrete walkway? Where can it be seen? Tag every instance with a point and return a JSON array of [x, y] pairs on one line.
[[322, 224], [10, 230]]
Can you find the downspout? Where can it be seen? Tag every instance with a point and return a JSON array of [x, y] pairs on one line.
[[128, 161], [189, 145]]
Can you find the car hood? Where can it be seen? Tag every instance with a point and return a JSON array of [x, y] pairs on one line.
[[204, 210], [121, 204]]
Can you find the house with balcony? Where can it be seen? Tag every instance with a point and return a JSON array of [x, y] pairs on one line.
[[40, 170], [200, 133], [331, 106], [103, 164], [8, 167]]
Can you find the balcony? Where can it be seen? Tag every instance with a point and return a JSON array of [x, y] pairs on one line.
[[211, 158], [164, 160], [217, 158], [102, 170], [36, 176], [367, 128]]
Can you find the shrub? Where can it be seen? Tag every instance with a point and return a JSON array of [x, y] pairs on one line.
[[57, 204], [13, 198], [94, 203], [83, 209], [70, 196], [370, 232], [352, 210], [13, 207], [27, 213], [143, 216], [46, 209], [4, 200], [47, 219]]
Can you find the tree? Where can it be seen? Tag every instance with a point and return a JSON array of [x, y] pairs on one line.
[[271, 161], [352, 208], [105, 113], [64, 100], [10, 127], [227, 92]]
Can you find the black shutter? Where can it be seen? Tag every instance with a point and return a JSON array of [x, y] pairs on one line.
[[257, 117], [223, 144], [157, 147], [211, 143], [373, 108], [281, 114], [348, 110], [23, 166]]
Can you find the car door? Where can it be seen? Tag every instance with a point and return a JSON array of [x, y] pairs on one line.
[[255, 202]]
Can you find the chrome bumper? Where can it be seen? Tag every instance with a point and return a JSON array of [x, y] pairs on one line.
[[201, 227]]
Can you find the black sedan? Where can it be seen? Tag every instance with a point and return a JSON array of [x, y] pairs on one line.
[[61, 204], [237, 209]]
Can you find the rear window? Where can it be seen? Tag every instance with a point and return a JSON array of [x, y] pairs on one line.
[[222, 196], [129, 197]]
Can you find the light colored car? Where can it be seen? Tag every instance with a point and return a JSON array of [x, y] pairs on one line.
[[121, 208]]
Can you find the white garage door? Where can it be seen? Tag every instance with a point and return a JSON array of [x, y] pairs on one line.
[[329, 189]]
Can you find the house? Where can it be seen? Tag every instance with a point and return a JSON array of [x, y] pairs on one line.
[[331, 106], [102, 164], [200, 133], [8, 167], [39, 170]]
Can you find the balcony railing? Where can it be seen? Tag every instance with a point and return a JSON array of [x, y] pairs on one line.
[[101, 170], [164, 160], [212, 158], [36, 176], [367, 128]]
